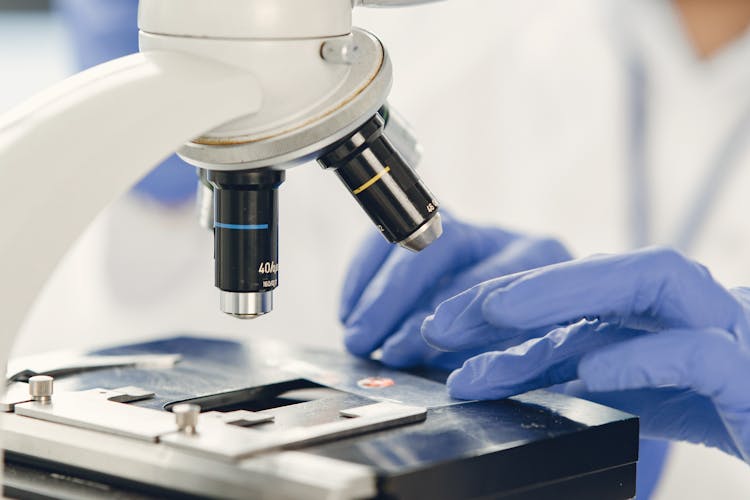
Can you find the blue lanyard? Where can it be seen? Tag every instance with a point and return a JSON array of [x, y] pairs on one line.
[[722, 167]]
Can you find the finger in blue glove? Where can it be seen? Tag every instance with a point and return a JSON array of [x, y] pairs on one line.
[[406, 347], [405, 279], [648, 289], [540, 362]]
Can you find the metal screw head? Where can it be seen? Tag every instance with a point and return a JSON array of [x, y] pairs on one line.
[[186, 417], [41, 388], [340, 51]]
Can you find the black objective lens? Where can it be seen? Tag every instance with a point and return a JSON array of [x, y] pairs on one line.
[[246, 239], [385, 186]]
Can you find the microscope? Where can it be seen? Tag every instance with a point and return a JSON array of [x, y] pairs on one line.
[[324, 87], [241, 89], [244, 90]]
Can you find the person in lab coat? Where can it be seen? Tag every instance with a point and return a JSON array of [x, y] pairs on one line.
[[579, 120]]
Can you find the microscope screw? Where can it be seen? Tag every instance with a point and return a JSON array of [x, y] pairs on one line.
[[340, 51], [40, 388], [186, 416]]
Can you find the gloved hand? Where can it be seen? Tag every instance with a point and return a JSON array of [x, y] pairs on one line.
[[649, 332], [389, 290]]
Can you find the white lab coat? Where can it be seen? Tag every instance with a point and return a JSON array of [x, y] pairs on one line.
[[522, 109]]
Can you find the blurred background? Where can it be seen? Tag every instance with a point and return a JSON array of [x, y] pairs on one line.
[[522, 107], [28, 5]]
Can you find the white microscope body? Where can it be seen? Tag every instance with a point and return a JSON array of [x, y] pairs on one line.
[[232, 85]]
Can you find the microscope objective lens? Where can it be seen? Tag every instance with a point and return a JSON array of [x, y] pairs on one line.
[[246, 239], [386, 187]]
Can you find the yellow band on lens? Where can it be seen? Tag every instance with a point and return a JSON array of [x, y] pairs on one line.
[[372, 181]]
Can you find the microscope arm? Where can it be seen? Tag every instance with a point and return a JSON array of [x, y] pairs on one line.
[[71, 150]]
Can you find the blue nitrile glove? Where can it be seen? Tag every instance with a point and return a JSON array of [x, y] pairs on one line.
[[649, 332], [389, 291], [102, 30]]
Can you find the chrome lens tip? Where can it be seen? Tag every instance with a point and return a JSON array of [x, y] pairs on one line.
[[246, 305], [425, 235]]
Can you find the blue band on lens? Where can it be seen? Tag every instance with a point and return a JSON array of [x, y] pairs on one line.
[[241, 227]]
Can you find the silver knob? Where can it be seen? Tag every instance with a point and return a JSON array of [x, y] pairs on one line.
[[40, 388], [186, 417], [342, 50]]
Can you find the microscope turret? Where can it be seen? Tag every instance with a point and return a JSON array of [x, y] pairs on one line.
[[324, 88], [255, 87]]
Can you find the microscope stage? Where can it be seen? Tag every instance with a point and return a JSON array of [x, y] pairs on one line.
[[279, 421]]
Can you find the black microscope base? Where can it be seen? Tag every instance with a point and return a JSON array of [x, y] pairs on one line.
[[533, 447]]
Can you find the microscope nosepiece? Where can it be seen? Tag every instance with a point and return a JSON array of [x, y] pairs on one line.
[[386, 186]]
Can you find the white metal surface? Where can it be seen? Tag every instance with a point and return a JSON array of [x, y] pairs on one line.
[[292, 475], [269, 19], [95, 410], [213, 454], [17, 392], [229, 442]]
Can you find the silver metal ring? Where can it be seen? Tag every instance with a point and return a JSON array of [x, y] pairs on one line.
[[246, 305]]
